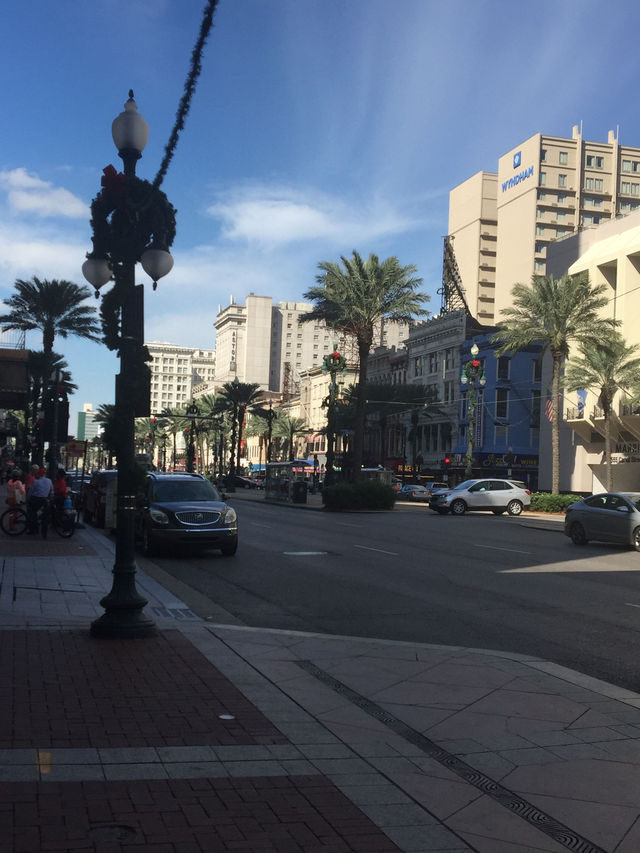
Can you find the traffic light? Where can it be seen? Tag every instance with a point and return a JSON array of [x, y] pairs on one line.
[[446, 462]]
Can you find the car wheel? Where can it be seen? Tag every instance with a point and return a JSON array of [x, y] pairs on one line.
[[635, 538], [497, 511], [514, 507], [148, 542], [578, 535], [229, 550], [458, 507]]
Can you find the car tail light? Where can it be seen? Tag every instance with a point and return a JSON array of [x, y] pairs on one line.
[[527, 491]]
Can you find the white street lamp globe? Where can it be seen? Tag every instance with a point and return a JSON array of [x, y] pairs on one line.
[[96, 271], [156, 263], [129, 130], [474, 350]]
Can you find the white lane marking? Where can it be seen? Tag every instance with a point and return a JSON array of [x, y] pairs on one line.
[[304, 553], [631, 605], [378, 550], [496, 548]]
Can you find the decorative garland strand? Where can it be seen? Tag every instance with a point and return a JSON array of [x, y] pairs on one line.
[[189, 89]]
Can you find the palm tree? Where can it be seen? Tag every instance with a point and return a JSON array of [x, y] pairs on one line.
[[239, 398], [54, 307], [355, 297], [287, 427], [107, 418], [607, 367], [40, 367], [557, 312]]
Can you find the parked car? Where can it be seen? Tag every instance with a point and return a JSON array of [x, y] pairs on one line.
[[184, 509], [606, 517], [413, 493], [490, 494], [239, 482], [94, 496]]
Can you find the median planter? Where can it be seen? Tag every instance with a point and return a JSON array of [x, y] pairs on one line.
[[363, 495], [546, 502]]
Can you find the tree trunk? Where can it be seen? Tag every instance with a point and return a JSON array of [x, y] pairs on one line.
[[361, 398], [555, 423], [606, 409]]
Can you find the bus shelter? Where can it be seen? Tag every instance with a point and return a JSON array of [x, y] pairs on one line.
[[287, 481]]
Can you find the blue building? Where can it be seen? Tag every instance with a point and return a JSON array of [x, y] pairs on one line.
[[499, 416]]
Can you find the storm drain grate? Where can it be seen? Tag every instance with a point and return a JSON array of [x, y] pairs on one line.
[[517, 805]]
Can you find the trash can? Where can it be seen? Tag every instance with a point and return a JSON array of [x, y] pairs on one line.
[[299, 492]]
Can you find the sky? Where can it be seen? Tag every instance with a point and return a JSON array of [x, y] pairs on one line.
[[317, 127]]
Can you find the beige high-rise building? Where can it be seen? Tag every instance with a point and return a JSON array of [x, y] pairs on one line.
[[546, 187], [175, 372]]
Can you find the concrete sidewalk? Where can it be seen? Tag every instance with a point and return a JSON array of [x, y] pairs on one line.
[[221, 737]]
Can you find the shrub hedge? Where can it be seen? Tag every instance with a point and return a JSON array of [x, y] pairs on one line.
[[365, 494], [546, 502]]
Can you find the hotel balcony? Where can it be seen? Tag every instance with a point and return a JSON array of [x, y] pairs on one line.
[[626, 419]]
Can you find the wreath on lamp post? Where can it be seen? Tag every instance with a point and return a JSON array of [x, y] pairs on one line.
[[128, 215]]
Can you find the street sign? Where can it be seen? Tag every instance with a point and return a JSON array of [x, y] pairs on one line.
[[75, 448]]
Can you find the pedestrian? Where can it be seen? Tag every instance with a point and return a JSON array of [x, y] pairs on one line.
[[38, 497], [30, 479], [60, 488]]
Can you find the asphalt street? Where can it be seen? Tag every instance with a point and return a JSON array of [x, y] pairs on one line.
[[480, 580]]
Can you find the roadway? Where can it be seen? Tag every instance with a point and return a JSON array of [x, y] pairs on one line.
[[480, 580]]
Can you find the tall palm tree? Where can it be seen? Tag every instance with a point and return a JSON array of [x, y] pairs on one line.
[[239, 397], [557, 312], [54, 307], [287, 427], [607, 367], [106, 417], [40, 367], [355, 297]]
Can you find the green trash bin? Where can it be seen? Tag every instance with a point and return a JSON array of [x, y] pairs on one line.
[[299, 492]]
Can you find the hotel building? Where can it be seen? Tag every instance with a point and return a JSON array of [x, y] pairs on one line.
[[546, 187]]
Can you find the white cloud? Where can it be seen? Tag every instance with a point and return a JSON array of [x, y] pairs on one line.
[[27, 193], [274, 217]]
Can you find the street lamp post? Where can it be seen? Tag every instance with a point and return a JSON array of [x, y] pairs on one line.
[[132, 221], [473, 376], [333, 363], [191, 413], [270, 416]]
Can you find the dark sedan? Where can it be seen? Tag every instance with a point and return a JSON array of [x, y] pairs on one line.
[[606, 517]]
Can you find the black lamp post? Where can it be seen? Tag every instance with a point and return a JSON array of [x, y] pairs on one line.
[[333, 363], [270, 416], [473, 376], [192, 414], [132, 221]]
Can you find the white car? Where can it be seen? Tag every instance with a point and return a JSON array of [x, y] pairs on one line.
[[489, 495]]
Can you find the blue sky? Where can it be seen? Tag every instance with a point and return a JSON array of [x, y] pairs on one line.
[[317, 127]]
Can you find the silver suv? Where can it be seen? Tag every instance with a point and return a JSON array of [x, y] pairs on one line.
[[491, 495]]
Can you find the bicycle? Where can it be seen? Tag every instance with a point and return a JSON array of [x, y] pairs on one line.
[[15, 521]]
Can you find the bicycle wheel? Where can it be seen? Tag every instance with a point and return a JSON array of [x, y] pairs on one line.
[[13, 521], [63, 524]]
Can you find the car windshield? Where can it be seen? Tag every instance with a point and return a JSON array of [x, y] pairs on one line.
[[185, 490], [633, 498], [465, 485]]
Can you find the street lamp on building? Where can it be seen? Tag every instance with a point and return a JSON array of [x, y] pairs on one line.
[[132, 220], [473, 377], [333, 363]]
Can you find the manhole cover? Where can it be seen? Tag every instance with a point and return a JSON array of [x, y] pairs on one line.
[[112, 832]]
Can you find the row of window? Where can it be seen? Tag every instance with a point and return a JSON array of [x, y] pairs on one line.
[[592, 161]]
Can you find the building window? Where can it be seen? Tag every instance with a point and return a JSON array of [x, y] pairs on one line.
[[541, 195], [562, 199], [561, 216], [543, 179], [539, 266], [626, 165], [502, 402], [537, 370], [562, 180], [539, 231], [504, 365], [539, 247], [563, 158], [595, 184], [433, 362], [594, 162], [543, 154], [501, 435], [540, 213], [535, 408], [630, 188], [448, 391]]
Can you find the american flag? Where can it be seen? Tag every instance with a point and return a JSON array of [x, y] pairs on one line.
[[548, 408]]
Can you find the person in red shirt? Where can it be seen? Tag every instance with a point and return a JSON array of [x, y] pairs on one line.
[[59, 489]]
